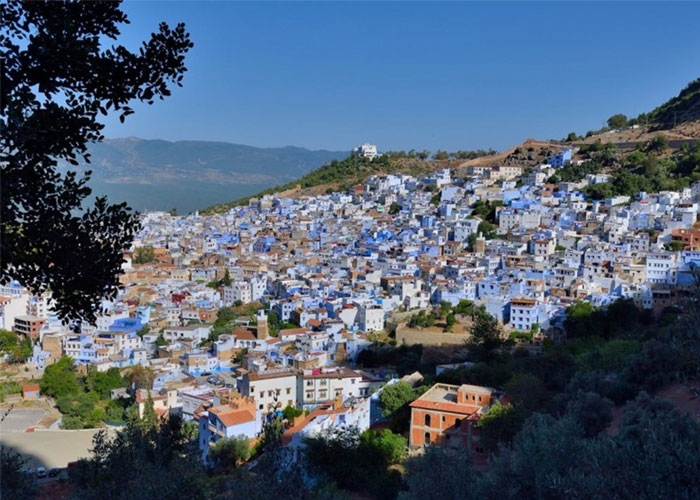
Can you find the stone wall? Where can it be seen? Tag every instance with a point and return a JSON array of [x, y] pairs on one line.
[[412, 336]]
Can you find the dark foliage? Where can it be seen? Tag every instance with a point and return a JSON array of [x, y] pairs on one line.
[[57, 79]]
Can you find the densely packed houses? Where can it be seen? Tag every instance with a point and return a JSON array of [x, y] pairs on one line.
[[327, 272]]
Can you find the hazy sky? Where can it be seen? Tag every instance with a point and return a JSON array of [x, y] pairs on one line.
[[413, 75]]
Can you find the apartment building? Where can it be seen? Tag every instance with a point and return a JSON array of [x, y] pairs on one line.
[[272, 391], [326, 384]]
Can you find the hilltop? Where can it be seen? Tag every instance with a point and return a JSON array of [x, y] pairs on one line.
[[337, 176], [669, 127]]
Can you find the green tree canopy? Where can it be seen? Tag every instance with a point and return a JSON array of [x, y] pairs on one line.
[[61, 71], [617, 121], [59, 379], [395, 396], [230, 452]]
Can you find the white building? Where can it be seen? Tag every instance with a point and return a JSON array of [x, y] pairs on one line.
[[365, 150], [661, 268], [370, 319], [524, 313], [272, 391], [239, 290], [320, 386]]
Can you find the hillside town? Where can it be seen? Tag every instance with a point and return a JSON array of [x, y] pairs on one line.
[[308, 283]]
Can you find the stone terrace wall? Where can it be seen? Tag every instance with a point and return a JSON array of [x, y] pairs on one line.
[[411, 336]]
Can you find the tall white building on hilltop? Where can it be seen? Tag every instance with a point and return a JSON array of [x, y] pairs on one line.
[[365, 151]]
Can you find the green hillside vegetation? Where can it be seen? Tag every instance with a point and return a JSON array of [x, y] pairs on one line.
[[649, 169], [684, 107], [341, 175]]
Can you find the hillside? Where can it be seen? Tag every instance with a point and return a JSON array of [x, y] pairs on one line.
[[340, 175], [677, 119], [157, 174], [685, 107]]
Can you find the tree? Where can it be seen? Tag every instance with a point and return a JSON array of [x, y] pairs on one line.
[[617, 121], [290, 413], [450, 322], [149, 419], [139, 377], [675, 246], [14, 482], [56, 80], [226, 280], [102, 383], [138, 464], [658, 143], [392, 447], [22, 351], [145, 255], [229, 452], [143, 330], [485, 337], [395, 396], [59, 379], [272, 431], [527, 390], [354, 461], [591, 410], [440, 474], [8, 341], [580, 319], [499, 425]]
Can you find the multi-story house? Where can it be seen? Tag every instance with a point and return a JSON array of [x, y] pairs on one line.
[[322, 385], [446, 415], [272, 390]]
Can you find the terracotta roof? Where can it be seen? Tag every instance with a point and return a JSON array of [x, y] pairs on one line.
[[236, 417], [244, 334], [30, 388]]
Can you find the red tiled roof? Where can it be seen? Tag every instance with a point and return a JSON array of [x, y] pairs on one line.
[[236, 417], [449, 407]]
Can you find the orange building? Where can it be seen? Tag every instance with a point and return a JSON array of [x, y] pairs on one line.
[[445, 415], [689, 237]]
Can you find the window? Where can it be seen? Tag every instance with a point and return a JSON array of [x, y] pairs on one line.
[[426, 439], [289, 391], [324, 381], [309, 383], [262, 394], [260, 407], [427, 420]]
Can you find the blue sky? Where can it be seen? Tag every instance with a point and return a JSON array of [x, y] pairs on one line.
[[412, 75]]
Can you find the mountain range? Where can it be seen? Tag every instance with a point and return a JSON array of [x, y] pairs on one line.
[[188, 175]]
